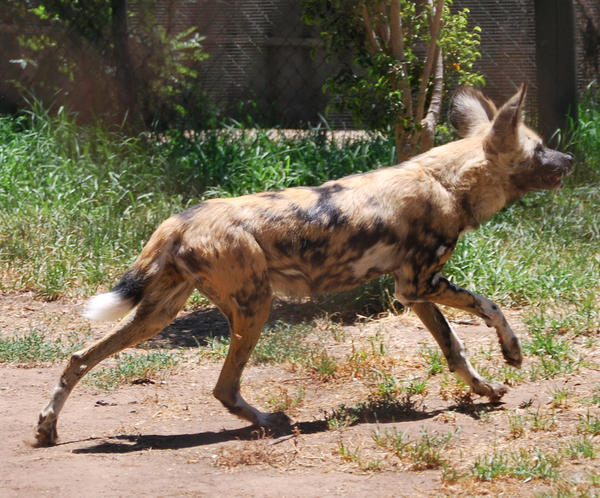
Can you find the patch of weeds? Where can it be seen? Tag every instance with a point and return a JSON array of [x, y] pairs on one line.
[[196, 300], [328, 325], [589, 424], [282, 342], [377, 345], [131, 367], [324, 365], [540, 421], [450, 474], [387, 386], [349, 455], [516, 424], [283, 401], [424, 453], [554, 352], [214, 347], [546, 342], [489, 467], [33, 347], [580, 448], [522, 464], [511, 376], [560, 397], [341, 418], [416, 386], [434, 358]]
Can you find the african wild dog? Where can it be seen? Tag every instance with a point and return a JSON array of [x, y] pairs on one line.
[[404, 220]]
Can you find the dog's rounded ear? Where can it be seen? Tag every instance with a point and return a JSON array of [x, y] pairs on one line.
[[505, 127], [469, 110]]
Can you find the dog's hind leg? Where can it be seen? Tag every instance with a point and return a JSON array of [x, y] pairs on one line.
[[246, 305], [454, 351], [152, 314]]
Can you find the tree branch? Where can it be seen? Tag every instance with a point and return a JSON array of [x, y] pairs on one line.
[[431, 55], [397, 47], [435, 103], [373, 45]]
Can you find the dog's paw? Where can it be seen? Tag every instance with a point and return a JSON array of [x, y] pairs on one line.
[[45, 433], [277, 423], [496, 391], [512, 353]]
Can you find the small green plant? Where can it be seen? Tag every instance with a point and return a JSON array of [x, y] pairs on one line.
[[341, 418], [541, 421], [132, 367], [589, 424], [324, 365], [214, 347], [424, 452], [580, 448], [434, 358], [281, 400], [560, 397], [594, 479], [33, 347], [282, 342], [516, 424], [489, 467], [349, 455], [522, 464], [511, 376]]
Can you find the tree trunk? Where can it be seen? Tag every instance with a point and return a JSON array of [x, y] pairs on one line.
[[126, 88]]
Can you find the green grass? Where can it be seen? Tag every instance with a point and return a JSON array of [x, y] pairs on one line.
[[425, 452], [131, 367], [523, 464], [282, 341], [33, 347], [77, 204]]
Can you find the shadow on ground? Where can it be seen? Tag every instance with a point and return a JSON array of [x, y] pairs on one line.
[[127, 443], [191, 329]]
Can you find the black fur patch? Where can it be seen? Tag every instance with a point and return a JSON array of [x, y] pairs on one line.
[[325, 212], [131, 286]]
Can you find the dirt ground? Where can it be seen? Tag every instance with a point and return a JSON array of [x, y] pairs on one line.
[[172, 438]]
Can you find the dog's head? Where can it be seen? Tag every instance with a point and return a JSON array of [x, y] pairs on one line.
[[507, 142]]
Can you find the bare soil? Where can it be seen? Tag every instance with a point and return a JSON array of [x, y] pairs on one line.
[[172, 438]]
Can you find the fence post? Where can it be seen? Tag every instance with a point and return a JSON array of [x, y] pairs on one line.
[[555, 61]]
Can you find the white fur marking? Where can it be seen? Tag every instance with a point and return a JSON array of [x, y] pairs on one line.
[[378, 256], [108, 306]]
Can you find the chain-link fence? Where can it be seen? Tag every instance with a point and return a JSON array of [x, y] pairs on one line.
[[267, 64], [264, 61]]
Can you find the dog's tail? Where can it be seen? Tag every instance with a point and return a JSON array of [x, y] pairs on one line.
[[122, 298]]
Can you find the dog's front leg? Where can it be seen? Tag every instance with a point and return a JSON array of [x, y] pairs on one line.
[[445, 292], [454, 351]]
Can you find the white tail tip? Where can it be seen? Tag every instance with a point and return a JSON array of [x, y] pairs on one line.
[[108, 306]]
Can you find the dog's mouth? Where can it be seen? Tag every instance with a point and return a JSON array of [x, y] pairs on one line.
[[553, 181]]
